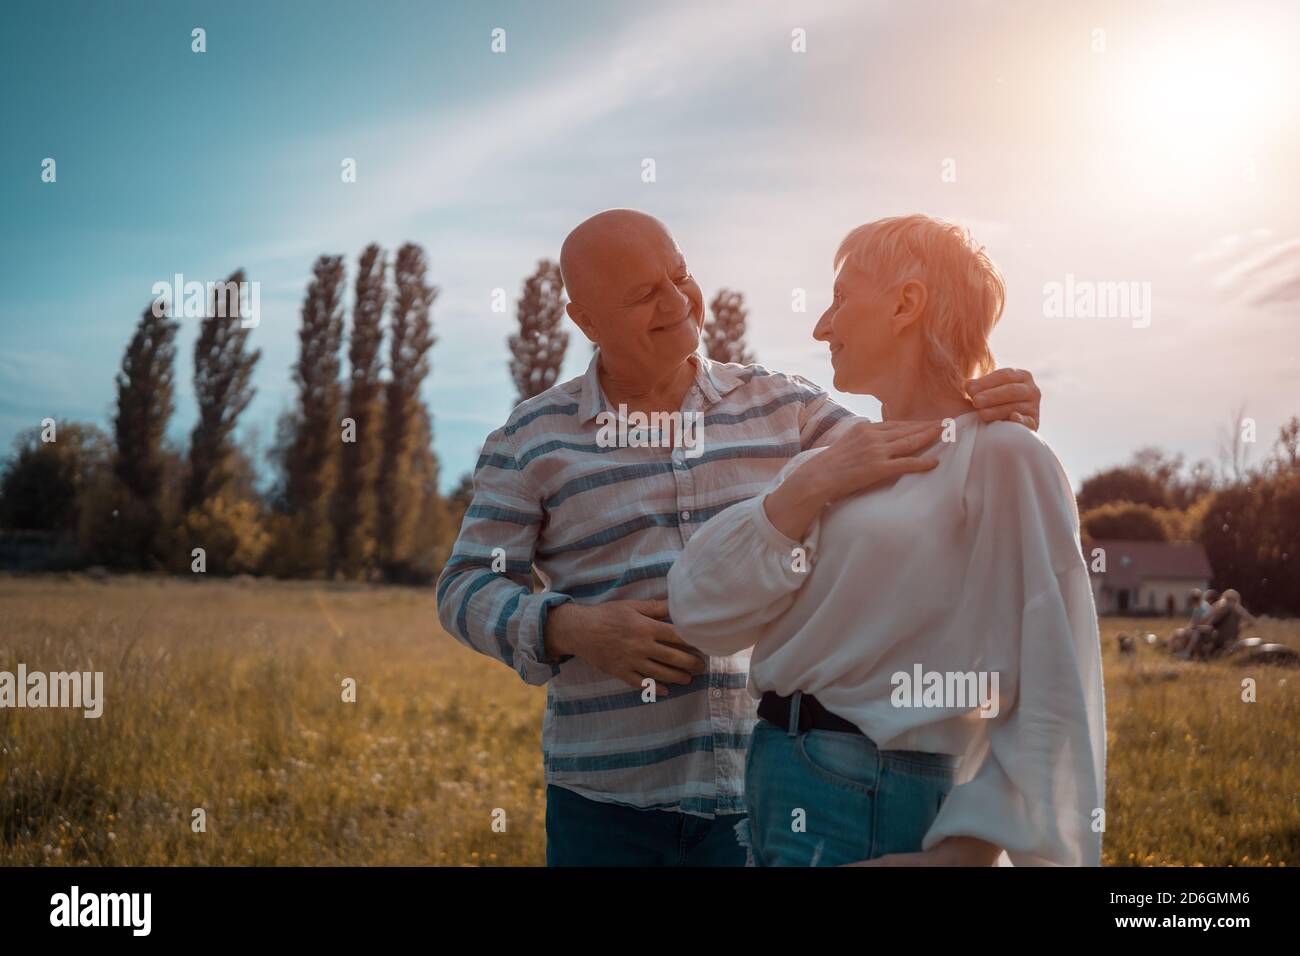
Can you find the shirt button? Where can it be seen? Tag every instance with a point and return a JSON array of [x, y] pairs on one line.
[[716, 693], [686, 516]]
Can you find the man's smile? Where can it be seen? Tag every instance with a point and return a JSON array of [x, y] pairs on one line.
[[670, 325]]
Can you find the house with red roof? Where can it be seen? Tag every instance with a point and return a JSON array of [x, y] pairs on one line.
[[1146, 577]]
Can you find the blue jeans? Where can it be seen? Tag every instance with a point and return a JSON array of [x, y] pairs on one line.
[[582, 832], [823, 798]]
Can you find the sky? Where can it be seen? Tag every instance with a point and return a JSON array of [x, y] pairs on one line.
[[1152, 144]]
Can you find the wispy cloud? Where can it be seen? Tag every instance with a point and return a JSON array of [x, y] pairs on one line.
[[436, 160], [1262, 272]]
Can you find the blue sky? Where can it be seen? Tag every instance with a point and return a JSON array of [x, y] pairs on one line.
[[1163, 154]]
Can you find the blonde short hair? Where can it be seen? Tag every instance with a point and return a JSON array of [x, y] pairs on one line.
[[965, 293]]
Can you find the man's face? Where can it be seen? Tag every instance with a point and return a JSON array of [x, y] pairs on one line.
[[645, 310]]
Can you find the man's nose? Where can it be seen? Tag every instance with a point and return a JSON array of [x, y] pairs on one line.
[[674, 300]]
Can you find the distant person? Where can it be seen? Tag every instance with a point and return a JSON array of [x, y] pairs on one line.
[[1222, 627], [1207, 604], [1202, 605]]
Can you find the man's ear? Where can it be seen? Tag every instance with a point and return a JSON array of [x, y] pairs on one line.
[[582, 320], [910, 306]]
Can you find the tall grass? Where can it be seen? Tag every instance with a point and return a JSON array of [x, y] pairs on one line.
[[227, 697]]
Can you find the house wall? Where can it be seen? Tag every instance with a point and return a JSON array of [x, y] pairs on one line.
[[1149, 597], [1106, 598], [1153, 593]]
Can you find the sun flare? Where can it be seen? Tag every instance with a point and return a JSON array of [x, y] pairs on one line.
[[1207, 101]]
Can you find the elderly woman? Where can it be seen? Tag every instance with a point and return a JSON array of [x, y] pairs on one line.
[[926, 650]]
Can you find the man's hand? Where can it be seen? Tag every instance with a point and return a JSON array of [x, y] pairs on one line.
[[1007, 394], [953, 851], [630, 640]]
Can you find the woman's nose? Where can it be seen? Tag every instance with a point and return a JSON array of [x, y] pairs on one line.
[[822, 330]]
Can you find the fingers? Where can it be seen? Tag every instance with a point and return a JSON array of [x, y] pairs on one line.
[[637, 682], [663, 674], [906, 466], [691, 661], [891, 433], [908, 422], [1004, 395], [666, 633], [671, 649], [893, 430], [1029, 421], [913, 442], [1008, 412], [995, 379], [655, 609]]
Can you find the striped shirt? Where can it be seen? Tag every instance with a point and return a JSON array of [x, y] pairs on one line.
[[606, 523]]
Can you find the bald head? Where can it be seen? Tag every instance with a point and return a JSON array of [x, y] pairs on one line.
[[610, 238], [632, 294]]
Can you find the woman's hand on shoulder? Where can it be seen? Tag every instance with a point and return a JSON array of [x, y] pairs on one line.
[[869, 453]]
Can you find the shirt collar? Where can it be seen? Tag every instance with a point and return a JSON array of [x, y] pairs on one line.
[[713, 379]]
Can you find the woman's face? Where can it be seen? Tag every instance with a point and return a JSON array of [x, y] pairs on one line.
[[862, 330]]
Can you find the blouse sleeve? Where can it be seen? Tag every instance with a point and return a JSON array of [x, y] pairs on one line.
[[738, 573], [1034, 774]]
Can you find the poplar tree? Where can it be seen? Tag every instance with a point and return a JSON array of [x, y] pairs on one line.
[[223, 372], [406, 457], [724, 333], [537, 349], [356, 506], [145, 402], [311, 458]]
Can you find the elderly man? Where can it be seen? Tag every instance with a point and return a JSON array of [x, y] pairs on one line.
[[644, 738], [1223, 625]]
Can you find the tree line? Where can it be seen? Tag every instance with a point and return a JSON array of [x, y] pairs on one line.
[[353, 491], [1246, 516], [354, 479]]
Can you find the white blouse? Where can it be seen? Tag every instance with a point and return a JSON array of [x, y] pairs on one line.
[[957, 574]]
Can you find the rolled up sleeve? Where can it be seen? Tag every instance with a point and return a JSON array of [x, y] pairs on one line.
[[485, 592]]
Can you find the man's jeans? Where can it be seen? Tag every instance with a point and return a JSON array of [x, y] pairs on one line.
[[824, 798], [582, 832]]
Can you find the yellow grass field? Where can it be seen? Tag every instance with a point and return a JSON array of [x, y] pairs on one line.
[[227, 696]]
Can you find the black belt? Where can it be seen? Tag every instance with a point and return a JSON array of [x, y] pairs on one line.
[[812, 715]]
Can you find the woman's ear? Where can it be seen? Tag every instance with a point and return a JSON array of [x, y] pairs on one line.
[[910, 305]]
